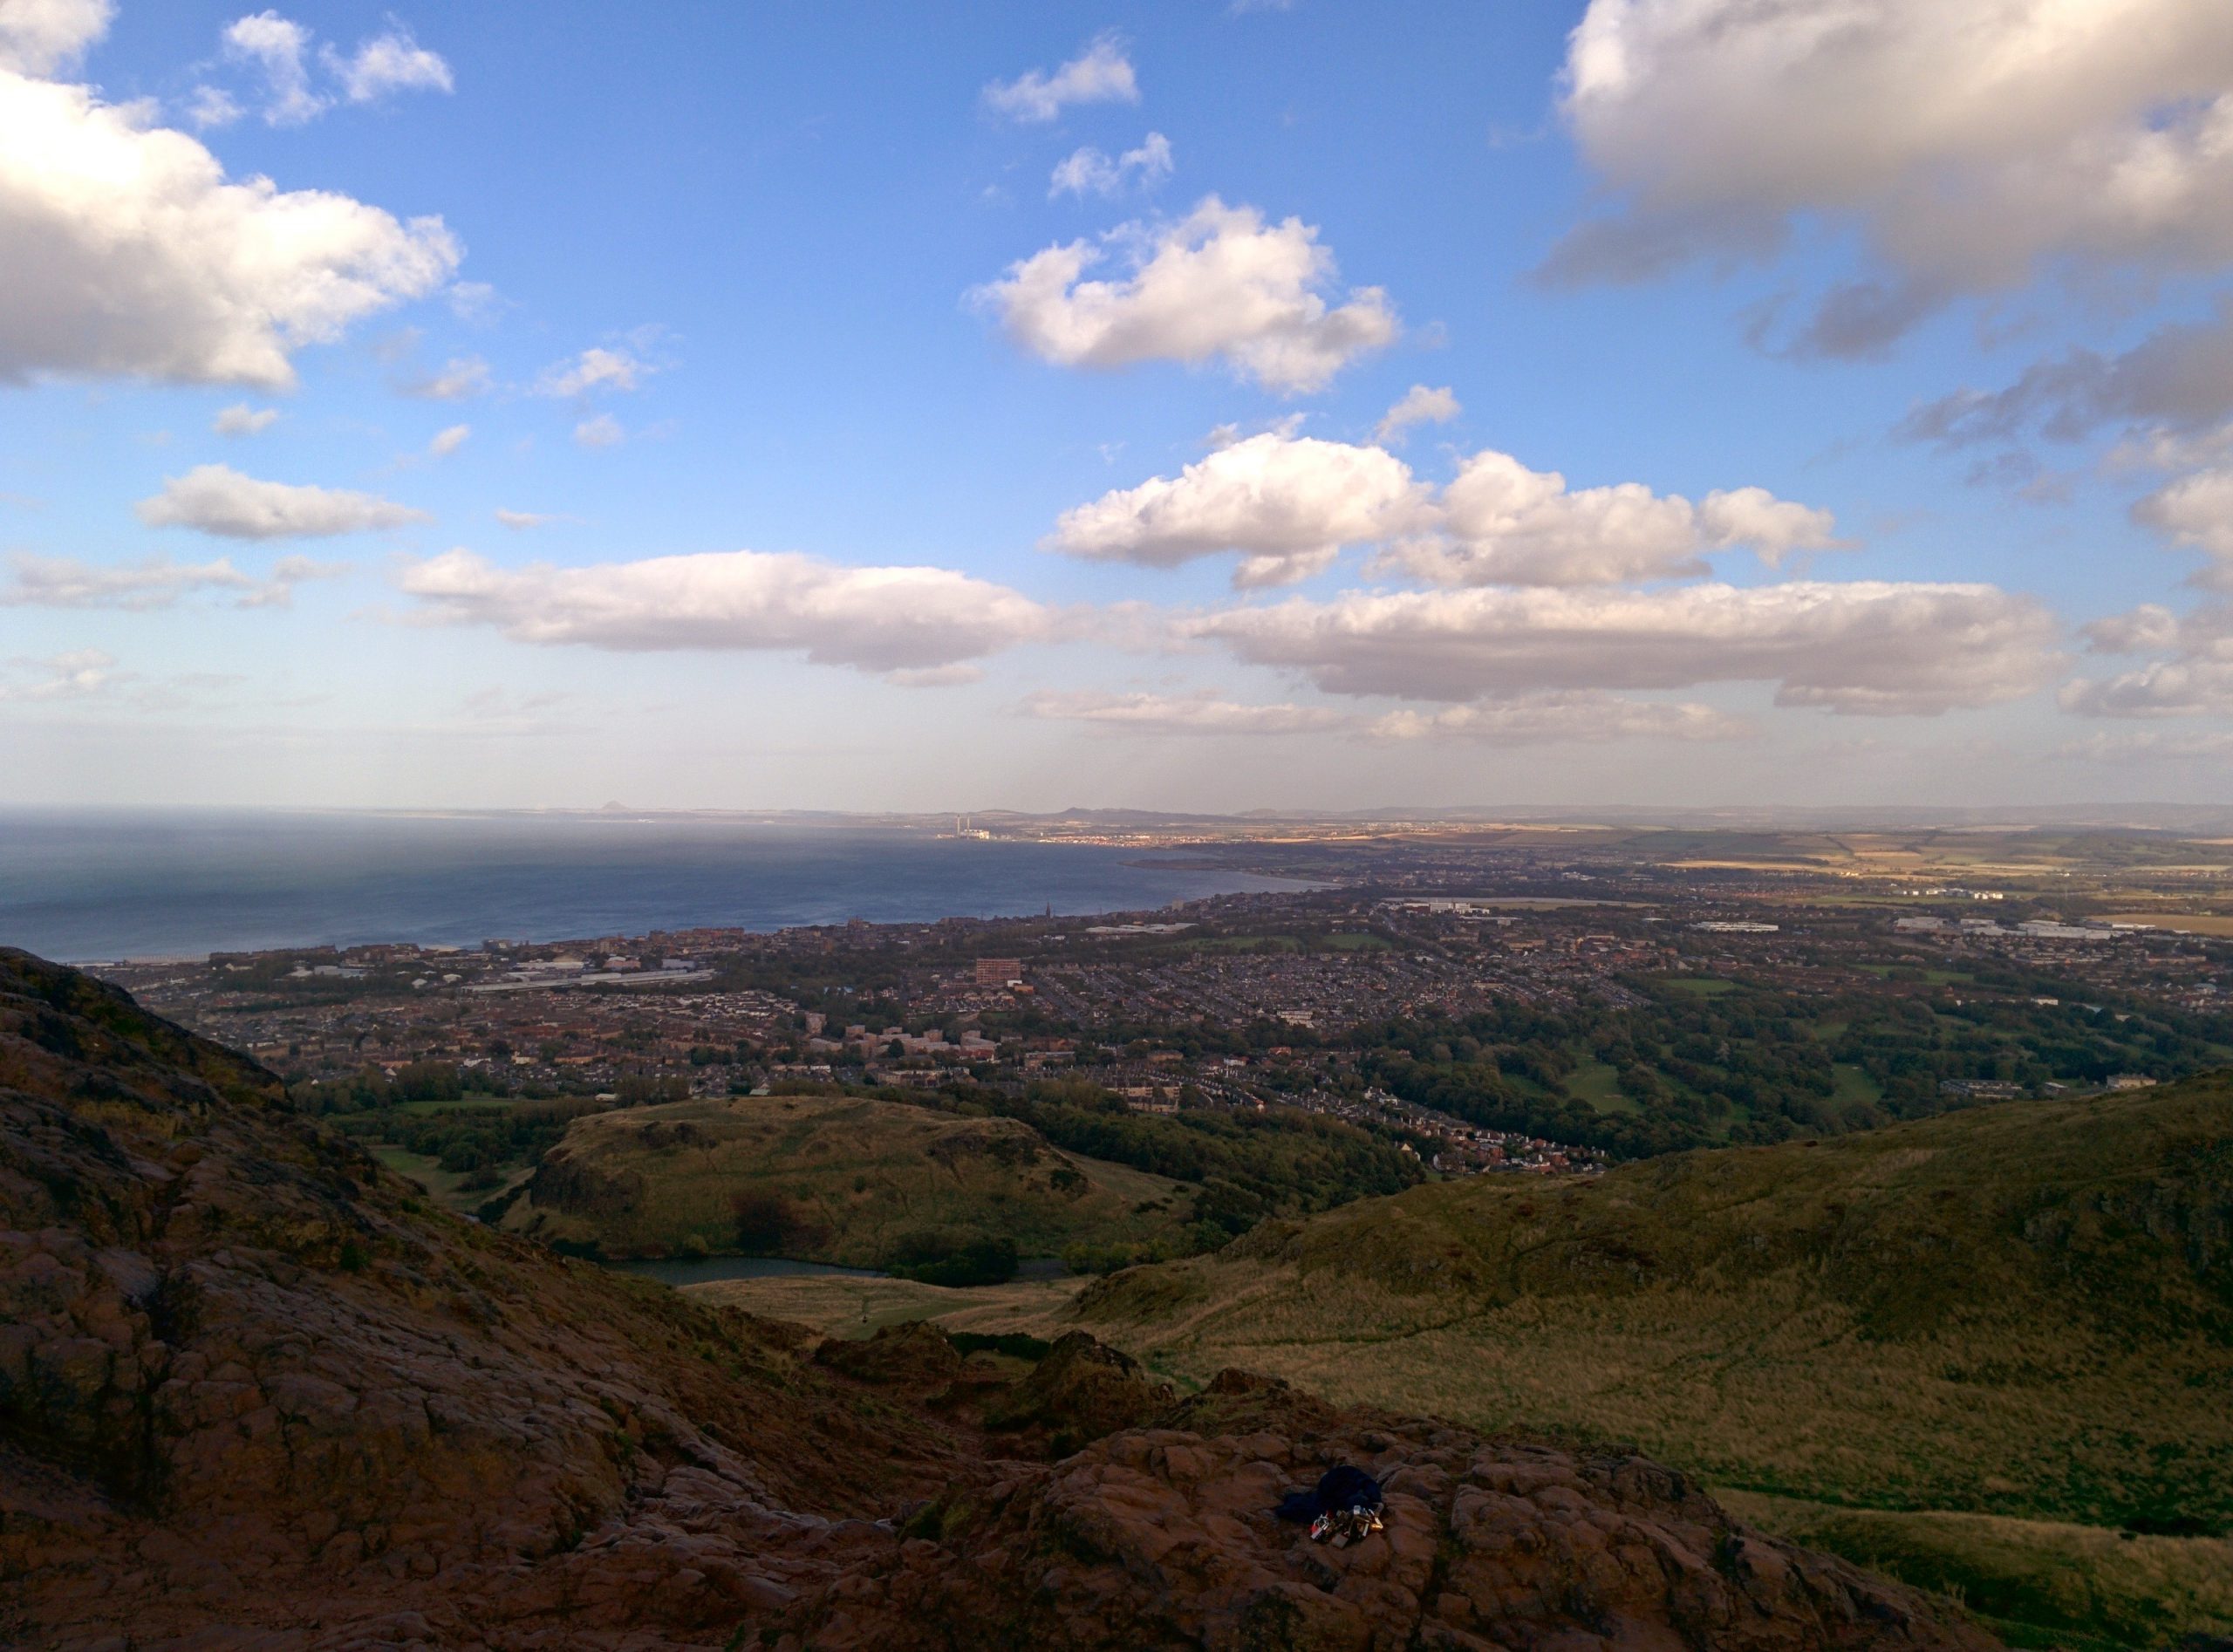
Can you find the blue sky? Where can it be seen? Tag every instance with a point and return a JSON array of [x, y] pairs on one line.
[[846, 491]]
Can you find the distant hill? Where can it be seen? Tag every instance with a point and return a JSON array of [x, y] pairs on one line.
[[2025, 1309], [847, 1179]]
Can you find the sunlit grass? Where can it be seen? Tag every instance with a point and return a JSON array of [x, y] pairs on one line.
[[2020, 1315], [2038, 1583]]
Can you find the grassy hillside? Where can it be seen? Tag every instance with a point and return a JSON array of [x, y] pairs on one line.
[[2022, 1311], [849, 1306], [846, 1179], [2079, 1588]]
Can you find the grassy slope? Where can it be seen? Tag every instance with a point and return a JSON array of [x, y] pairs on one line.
[[2038, 1583], [842, 1306], [2024, 1311], [446, 1188], [859, 1172]]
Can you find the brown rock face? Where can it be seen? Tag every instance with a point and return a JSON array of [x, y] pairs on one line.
[[1081, 1391], [245, 1378], [253, 1394], [916, 1356], [1163, 1537]]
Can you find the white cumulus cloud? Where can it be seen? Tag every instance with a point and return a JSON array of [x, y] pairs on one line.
[[876, 620], [1504, 524], [604, 431], [129, 252], [2194, 678], [1289, 504], [391, 62], [241, 420], [462, 379], [1286, 504], [39, 36], [1421, 405], [447, 441], [1089, 172], [1972, 141], [69, 676], [1220, 283], [1863, 648], [596, 368], [1560, 717], [65, 582], [280, 50], [2200, 686], [216, 499], [1204, 712], [212, 106], [280, 47], [1103, 73], [2197, 511]]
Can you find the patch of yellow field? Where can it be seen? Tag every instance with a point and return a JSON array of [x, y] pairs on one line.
[[838, 1305], [2180, 922]]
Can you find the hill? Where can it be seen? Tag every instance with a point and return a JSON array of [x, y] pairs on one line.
[[2022, 1311], [254, 1391], [834, 1179]]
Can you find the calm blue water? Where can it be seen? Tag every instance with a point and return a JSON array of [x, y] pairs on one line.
[[83, 886]]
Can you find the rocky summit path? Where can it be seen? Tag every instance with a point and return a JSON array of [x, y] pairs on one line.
[[254, 1393]]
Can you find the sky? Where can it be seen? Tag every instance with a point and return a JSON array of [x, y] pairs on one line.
[[1191, 406]]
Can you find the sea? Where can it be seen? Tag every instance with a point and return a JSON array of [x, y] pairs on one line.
[[92, 886]]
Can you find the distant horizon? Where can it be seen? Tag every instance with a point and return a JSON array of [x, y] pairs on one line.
[[2154, 816]]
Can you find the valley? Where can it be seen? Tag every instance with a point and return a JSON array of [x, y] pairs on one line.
[[1986, 1352], [255, 1387]]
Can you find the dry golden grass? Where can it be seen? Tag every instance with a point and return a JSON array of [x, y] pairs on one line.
[[2182, 922], [838, 1305]]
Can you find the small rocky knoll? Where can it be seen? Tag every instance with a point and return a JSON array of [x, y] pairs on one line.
[[835, 1178], [254, 1393], [1161, 1536]]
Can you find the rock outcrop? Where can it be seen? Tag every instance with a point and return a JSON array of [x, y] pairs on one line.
[[253, 1392], [1163, 1536]]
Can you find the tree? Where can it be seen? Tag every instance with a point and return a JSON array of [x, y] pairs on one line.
[[765, 1221]]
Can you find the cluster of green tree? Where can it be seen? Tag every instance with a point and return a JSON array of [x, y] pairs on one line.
[[1909, 1050], [1750, 1064], [770, 1224], [477, 1141], [1116, 1256], [953, 1256], [1245, 1166], [375, 1090], [1408, 1058]]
